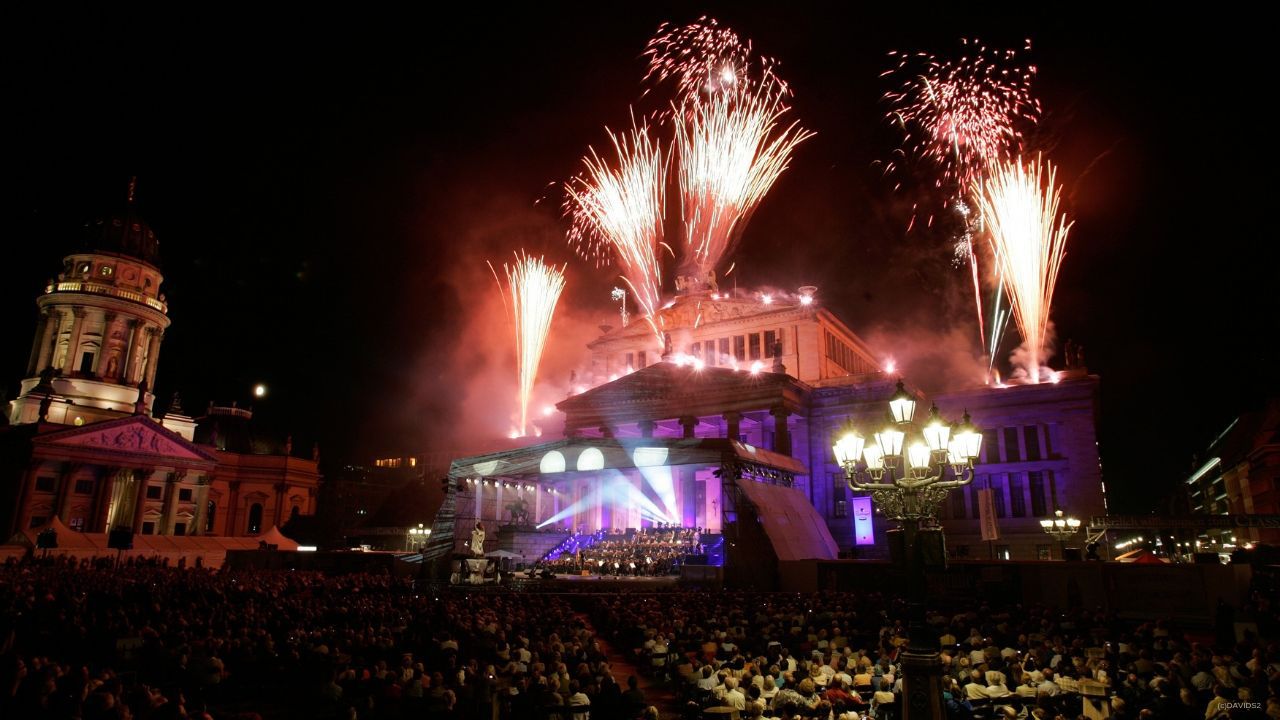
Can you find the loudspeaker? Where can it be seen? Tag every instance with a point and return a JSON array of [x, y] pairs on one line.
[[120, 538], [1071, 554]]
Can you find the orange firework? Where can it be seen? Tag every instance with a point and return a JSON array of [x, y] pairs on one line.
[[1019, 207], [535, 291], [618, 211]]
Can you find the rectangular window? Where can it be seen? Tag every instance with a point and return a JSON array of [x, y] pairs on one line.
[[753, 342], [990, 446], [77, 524], [770, 339], [153, 492], [37, 521], [979, 481], [724, 351], [696, 350], [631, 361], [184, 495], [179, 528], [1017, 498], [1011, 453], [1048, 444], [45, 484], [957, 505], [1002, 552], [842, 509], [739, 348], [997, 494], [1031, 434], [1036, 481], [1044, 552], [86, 363], [84, 487], [640, 357], [711, 353], [148, 528]]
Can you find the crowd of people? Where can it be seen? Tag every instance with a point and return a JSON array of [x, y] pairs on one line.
[[92, 641], [838, 655], [651, 551], [95, 642]]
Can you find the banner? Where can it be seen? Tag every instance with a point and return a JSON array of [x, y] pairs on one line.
[[987, 515], [863, 532]]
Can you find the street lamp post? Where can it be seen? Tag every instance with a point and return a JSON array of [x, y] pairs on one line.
[[417, 537], [1061, 527], [909, 471]]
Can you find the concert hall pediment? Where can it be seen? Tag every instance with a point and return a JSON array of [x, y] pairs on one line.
[[135, 436]]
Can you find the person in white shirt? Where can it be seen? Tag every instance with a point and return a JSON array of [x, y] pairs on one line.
[[579, 702], [975, 689], [733, 697], [1048, 686]]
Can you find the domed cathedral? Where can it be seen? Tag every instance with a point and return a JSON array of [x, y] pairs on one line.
[[101, 322], [82, 452]]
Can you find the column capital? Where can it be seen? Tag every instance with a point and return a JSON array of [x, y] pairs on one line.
[[689, 423], [79, 312]]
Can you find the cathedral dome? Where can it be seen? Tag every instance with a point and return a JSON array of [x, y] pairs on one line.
[[123, 233]]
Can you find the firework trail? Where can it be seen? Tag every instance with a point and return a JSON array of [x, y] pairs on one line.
[[617, 212], [1019, 207], [730, 137], [535, 289], [962, 116]]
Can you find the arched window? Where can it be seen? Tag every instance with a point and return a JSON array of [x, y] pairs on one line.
[[293, 514], [210, 513], [255, 519]]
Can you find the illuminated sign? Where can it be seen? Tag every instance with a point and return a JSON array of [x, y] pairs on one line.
[[863, 532]]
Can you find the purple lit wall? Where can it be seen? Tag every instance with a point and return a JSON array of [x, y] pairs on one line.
[[862, 530]]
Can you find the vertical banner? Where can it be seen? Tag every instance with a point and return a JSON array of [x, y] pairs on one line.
[[987, 515], [863, 532]]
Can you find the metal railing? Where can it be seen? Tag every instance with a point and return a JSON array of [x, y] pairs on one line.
[[109, 290]]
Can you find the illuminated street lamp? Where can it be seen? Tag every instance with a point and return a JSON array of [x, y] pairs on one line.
[[909, 471], [417, 536], [1061, 527]]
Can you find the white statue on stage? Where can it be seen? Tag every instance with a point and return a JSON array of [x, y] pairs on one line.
[[477, 540]]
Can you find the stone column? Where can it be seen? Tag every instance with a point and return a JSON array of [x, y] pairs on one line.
[[140, 500], [65, 487], [281, 489], [781, 434], [52, 324], [198, 518], [108, 319], [72, 362], [538, 492], [233, 503], [153, 356], [102, 504], [497, 502], [690, 425], [733, 425], [17, 518], [168, 516], [37, 344], [133, 353], [646, 428]]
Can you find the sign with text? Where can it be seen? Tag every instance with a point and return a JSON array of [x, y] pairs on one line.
[[863, 532]]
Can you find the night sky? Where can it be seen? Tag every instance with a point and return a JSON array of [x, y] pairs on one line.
[[326, 188]]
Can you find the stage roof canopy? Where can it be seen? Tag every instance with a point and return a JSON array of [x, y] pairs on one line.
[[571, 455]]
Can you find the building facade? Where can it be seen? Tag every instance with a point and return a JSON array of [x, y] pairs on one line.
[[785, 374], [82, 443]]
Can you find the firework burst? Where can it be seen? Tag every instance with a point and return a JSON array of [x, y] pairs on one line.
[[732, 150], [617, 213], [730, 137], [535, 288], [962, 114], [1019, 207]]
